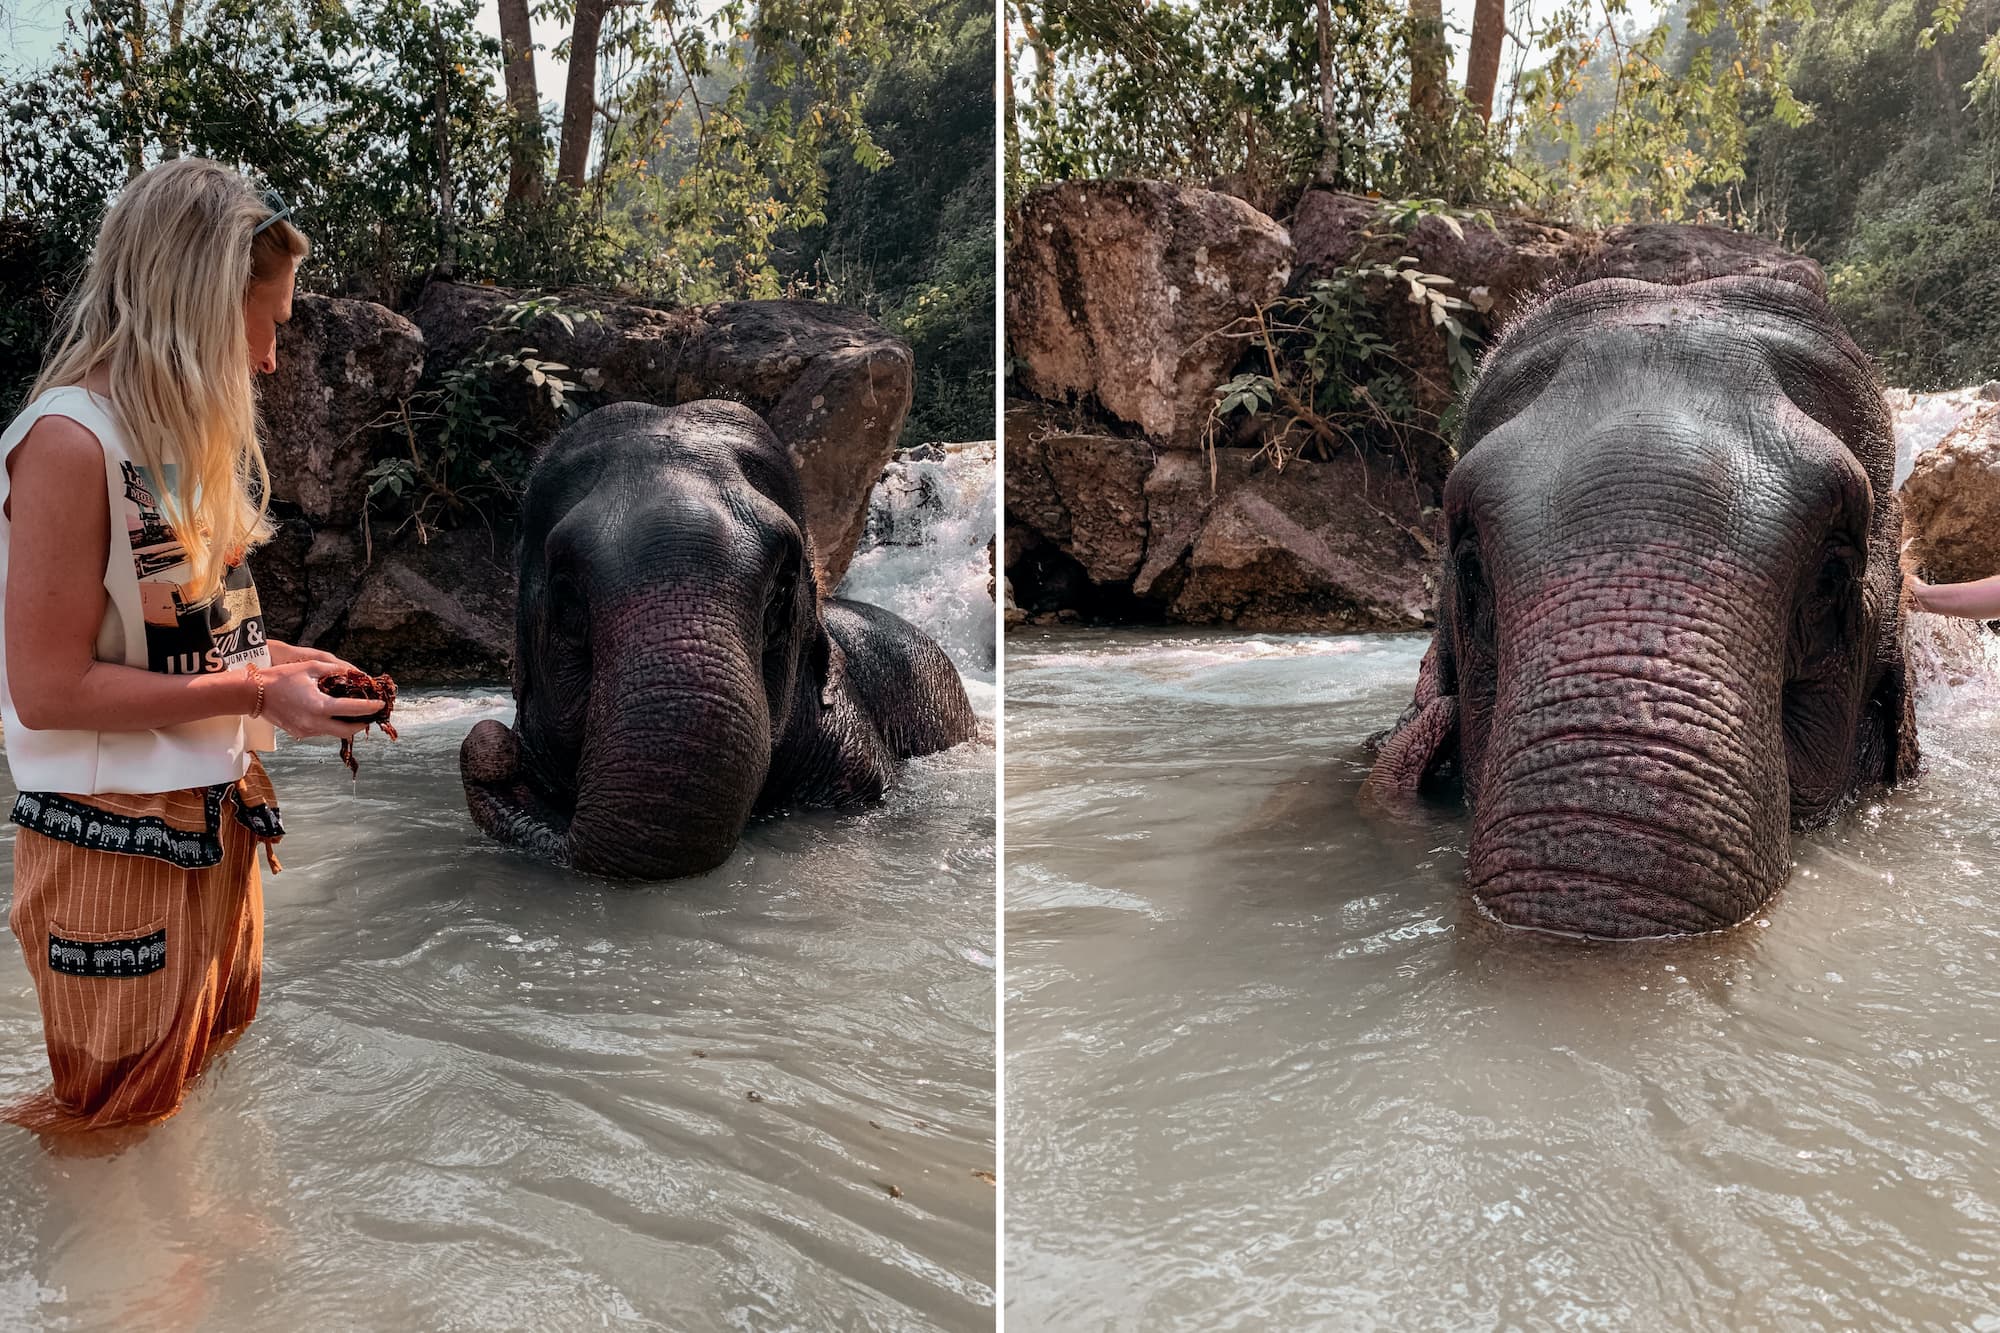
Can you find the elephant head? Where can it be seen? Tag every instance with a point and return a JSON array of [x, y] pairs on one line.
[[1668, 622], [668, 632]]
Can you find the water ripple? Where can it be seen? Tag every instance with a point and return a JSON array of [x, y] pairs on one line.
[[1292, 1080], [483, 1094]]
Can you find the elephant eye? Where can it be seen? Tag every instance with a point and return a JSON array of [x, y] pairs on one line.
[[1474, 599], [1834, 583], [1827, 614], [778, 611], [569, 613]]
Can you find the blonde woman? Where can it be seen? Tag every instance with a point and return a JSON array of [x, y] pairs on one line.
[[136, 681]]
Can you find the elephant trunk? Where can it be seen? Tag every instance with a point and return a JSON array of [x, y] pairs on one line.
[[668, 772], [1634, 780], [671, 766]]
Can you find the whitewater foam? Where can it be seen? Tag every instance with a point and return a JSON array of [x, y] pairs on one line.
[[926, 553]]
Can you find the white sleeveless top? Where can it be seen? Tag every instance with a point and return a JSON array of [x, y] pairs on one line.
[[146, 625]]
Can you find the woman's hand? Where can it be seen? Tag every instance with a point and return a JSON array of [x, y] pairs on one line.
[[294, 704], [282, 653], [1918, 590]]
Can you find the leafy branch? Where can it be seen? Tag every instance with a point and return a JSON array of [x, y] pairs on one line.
[[465, 448]]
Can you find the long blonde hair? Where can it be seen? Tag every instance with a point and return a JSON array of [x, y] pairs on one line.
[[161, 302]]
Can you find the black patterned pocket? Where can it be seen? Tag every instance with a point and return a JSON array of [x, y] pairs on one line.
[[137, 957]]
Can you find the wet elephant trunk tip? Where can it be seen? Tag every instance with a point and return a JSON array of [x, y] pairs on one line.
[[490, 753], [1647, 829], [499, 798], [1589, 908], [679, 862]]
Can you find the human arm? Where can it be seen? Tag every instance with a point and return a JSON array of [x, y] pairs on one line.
[[55, 603], [1977, 600]]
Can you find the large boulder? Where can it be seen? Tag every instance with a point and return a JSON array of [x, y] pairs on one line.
[[834, 385], [1231, 540], [1118, 294], [279, 567], [1319, 545], [1951, 503], [1505, 262], [1084, 493], [441, 611], [331, 409], [1500, 267], [1115, 292], [1673, 252]]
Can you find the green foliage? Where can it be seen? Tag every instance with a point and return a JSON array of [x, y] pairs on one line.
[[912, 243], [1618, 125], [1332, 377], [466, 453], [1192, 90], [723, 140], [1894, 184], [747, 151], [1601, 122], [335, 106]]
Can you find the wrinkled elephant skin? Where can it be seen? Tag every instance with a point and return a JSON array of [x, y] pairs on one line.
[[1669, 623], [676, 669]]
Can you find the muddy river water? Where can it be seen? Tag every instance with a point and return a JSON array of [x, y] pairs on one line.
[[1267, 1069], [483, 1094]]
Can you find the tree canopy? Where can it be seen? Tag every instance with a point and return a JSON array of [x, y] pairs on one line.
[[1860, 131], [704, 154]]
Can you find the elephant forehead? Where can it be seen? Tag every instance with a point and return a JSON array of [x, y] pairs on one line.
[[754, 483], [1689, 346], [1586, 469], [674, 515]]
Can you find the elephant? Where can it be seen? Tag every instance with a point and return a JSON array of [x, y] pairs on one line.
[[1669, 620], [676, 668]]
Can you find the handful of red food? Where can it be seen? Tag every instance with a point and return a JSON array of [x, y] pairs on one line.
[[361, 685]]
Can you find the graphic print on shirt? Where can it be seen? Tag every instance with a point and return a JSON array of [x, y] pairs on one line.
[[185, 639]]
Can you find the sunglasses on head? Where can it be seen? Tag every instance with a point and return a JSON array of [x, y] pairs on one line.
[[276, 203]]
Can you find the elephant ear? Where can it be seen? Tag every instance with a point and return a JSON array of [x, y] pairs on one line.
[[1421, 750], [832, 669], [1896, 705], [823, 661]]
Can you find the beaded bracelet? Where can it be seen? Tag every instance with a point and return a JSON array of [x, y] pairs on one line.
[[257, 679]]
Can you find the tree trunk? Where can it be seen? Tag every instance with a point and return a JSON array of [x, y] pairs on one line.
[[1329, 160], [1045, 59], [580, 93], [1482, 68], [1010, 125], [170, 132], [1429, 59], [524, 101], [441, 119], [136, 79]]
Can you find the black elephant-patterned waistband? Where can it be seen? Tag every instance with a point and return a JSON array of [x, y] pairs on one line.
[[57, 816]]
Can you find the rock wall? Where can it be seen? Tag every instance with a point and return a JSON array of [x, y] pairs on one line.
[[1121, 298], [1951, 502], [1114, 289], [833, 385]]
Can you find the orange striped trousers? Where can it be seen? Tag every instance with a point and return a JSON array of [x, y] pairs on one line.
[[143, 970]]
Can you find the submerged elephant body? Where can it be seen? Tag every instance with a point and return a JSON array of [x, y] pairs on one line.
[[676, 670], [1669, 628]]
